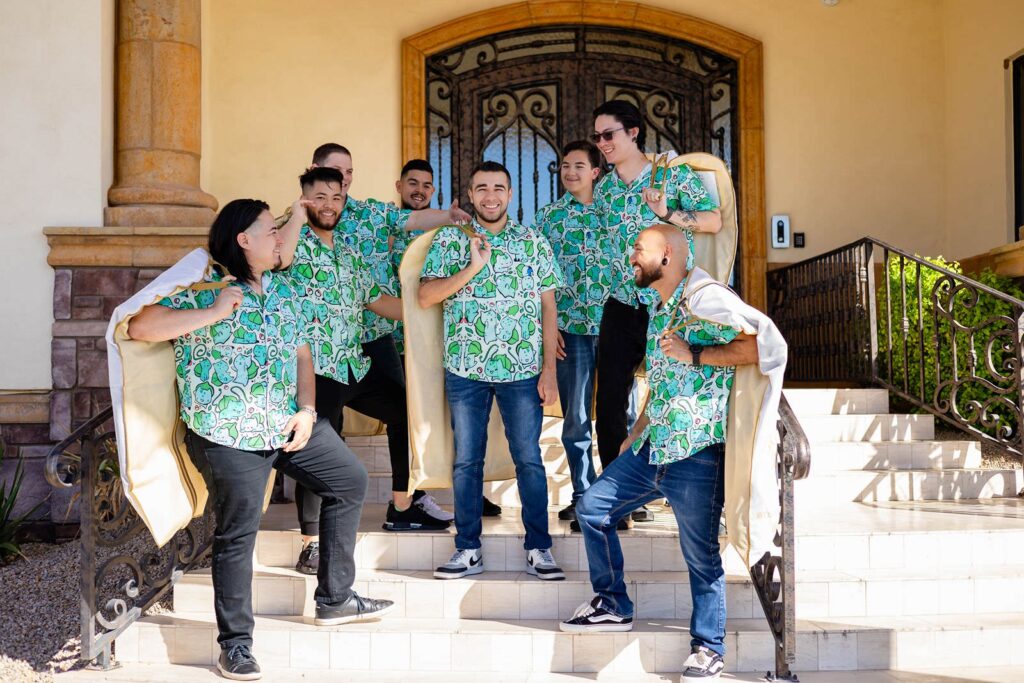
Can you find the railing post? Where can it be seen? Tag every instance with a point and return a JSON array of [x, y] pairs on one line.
[[99, 658], [872, 302]]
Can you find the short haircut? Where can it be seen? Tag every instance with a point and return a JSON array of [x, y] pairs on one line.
[[325, 150], [627, 114], [593, 153], [236, 217], [417, 165], [490, 167], [321, 174]]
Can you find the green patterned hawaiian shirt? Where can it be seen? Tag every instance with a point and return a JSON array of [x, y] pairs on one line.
[[689, 404], [578, 238], [626, 214], [334, 286], [492, 326], [367, 226], [237, 377], [400, 243]]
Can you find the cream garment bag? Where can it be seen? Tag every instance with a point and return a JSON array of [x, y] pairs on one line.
[[158, 477]]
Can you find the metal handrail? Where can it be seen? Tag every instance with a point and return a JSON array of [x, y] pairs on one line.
[[925, 343]]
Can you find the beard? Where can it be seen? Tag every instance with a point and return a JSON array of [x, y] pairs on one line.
[[416, 204], [317, 222], [497, 219], [648, 276]]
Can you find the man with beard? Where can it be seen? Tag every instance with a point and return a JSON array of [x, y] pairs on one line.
[[500, 335], [677, 452], [337, 286]]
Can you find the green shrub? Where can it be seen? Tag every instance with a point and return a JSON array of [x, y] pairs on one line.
[[9, 523], [985, 329]]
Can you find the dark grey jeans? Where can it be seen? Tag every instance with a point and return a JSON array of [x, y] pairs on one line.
[[237, 481]]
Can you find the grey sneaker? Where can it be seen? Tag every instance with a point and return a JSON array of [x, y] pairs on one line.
[[238, 664], [542, 564], [356, 608], [309, 559], [702, 665], [427, 503], [462, 563]]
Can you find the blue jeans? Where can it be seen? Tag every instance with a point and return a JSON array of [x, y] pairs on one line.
[[695, 487], [575, 375], [519, 404]]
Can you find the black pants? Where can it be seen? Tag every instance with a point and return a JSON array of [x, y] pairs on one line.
[[378, 396], [237, 481], [384, 354], [621, 347]]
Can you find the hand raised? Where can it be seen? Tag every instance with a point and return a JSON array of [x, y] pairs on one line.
[[300, 208], [227, 301], [656, 201], [479, 251], [674, 347], [457, 215]]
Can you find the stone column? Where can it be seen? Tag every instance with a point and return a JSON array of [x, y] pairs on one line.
[[158, 117]]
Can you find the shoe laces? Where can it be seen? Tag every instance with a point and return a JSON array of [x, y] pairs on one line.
[[544, 557], [461, 557], [428, 503], [700, 658], [313, 548], [240, 653], [587, 608]]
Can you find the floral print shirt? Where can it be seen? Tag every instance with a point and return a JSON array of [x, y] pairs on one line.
[[626, 214], [367, 226], [688, 404], [334, 286], [237, 377], [492, 326], [580, 244]]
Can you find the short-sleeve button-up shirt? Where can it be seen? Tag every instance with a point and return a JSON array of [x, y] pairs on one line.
[[237, 377], [492, 326], [580, 244], [367, 225], [626, 214], [334, 286], [688, 404]]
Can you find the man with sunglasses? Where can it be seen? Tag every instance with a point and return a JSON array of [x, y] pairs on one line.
[[629, 204]]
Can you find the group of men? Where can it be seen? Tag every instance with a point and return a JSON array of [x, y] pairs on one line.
[[309, 323]]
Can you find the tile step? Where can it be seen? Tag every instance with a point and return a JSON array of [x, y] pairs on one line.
[[837, 401]]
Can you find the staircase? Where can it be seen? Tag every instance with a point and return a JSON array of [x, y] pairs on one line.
[[908, 556]]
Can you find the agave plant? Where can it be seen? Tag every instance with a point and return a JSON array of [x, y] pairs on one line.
[[9, 523]]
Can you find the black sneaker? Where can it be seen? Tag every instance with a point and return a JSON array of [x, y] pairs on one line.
[[568, 513], [702, 665], [309, 559], [238, 664], [413, 518], [622, 525], [356, 608], [491, 509], [643, 515], [593, 617]]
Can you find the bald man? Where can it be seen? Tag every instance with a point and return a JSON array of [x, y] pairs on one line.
[[676, 450]]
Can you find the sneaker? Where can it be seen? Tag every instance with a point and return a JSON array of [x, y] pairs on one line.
[[491, 509], [413, 518], [309, 559], [702, 665], [238, 664], [430, 506], [592, 616], [569, 512], [642, 515], [463, 563], [541, 564], [356, 608], [624, 524]]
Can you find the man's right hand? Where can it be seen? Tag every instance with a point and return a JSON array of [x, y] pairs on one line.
[[479, 252], [227, 301]]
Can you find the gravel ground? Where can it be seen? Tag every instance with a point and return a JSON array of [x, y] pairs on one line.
[[993, 457]]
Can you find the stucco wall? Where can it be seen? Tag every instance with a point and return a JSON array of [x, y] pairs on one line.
[[56, 159]]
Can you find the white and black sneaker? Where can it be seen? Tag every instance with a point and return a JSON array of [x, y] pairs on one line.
[[463, 563], [541, 564], [594, 617], [702, 665], [427, 503]]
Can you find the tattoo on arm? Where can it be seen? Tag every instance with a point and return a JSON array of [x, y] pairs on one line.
[[689, 219]]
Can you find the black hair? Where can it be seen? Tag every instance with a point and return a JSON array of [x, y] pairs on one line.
[[325, 150], [628, 115], [417, 165], [321, 174], [593, 153], [236, 217], [490, 167]]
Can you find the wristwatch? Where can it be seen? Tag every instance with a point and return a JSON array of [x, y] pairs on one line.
[[311, 411], [695, 351]]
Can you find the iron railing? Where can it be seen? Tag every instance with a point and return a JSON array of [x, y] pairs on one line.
[[123, 573], [939, 340]]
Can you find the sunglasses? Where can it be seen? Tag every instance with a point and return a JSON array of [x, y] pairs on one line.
[[605, 135]]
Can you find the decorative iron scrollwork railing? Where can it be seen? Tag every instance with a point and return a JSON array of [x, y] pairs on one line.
[[123, 573], [939, 340]]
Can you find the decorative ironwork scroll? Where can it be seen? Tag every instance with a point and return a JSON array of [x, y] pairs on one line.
[[122, 571]]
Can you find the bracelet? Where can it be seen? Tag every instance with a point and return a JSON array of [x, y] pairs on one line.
[[310, 411]]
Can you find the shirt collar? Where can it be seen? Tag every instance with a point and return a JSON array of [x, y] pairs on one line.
[[644, 177], [512, 229]]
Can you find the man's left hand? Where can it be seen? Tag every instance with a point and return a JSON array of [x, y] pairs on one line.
[[457, 216], [302, 424], [674, 347], [547, 387], [656, 201]]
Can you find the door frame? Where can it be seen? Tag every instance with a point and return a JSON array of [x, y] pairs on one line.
[[610, 13]]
